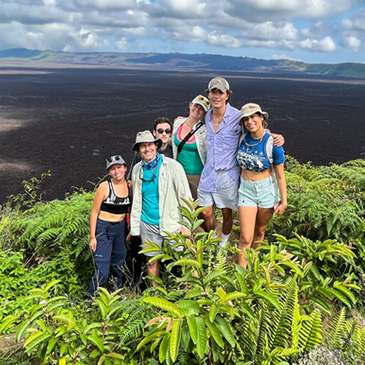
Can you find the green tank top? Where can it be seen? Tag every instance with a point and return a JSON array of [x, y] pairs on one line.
[[189, 157]]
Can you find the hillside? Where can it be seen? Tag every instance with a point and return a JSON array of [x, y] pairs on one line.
[[188, 62]]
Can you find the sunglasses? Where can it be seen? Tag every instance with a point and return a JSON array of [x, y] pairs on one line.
[[160, 130], [204, 100], [146, 180], [115, 158]]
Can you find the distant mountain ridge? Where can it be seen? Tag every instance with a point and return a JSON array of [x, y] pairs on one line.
[[186, 62]]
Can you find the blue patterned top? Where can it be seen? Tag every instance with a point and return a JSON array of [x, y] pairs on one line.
[[255, 158]]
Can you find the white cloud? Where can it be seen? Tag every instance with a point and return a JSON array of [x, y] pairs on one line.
[[353, 42], [49, 2], [324, 45], [180, 9], [284, 9], [192, 34], [269, 30], [270, 26], [122, 43], [223, 40]]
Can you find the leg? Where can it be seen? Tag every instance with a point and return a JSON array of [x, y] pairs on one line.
[[206, 200], [247, 217], [153, 269], [102, 256], [193, 181], [119, 253], [227, 220], [209, 222], [152, 232], [263, 217]]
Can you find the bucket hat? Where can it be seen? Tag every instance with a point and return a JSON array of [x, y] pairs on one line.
[[114, 160], [203, 101], [250, 109], [145, 137]]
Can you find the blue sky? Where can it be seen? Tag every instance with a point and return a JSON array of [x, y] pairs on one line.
[[326, 31]]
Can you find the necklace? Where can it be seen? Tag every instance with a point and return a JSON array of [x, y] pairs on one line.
[[190, 126], [253, 144]]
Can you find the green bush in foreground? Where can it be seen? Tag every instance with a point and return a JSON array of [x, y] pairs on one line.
[[212, 311]]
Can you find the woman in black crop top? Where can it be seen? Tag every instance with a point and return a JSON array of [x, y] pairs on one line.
[[108, 224]]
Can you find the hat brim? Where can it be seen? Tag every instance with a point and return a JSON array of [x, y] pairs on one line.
[[110, 164], [220, 88], [264, 114], [157, 142], [205, 107]]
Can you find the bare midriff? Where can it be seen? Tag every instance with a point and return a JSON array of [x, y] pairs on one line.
[[110, 217], [255, 175]]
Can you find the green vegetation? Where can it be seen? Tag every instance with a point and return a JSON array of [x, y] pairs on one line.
[[300, 301]]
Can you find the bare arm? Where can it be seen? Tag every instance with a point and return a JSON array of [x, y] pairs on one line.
[[278, 139], [100, 195], [129, 237], [280, 177]]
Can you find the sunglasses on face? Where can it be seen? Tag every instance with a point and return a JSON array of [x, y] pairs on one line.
[[115, 158], [204, 100], [160, 130]]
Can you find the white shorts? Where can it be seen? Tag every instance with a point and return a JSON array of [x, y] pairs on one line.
[[226, 194]]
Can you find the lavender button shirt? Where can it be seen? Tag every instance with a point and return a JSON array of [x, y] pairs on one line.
[[222, 148]]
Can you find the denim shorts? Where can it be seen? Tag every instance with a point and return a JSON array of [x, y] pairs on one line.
[[225, 195], [152, 232], [262, 194]]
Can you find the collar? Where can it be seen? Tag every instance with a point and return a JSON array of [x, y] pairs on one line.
[[152, 164]]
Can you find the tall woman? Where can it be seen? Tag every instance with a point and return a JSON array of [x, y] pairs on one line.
[[262, 191], [189, 141], [108, 224]]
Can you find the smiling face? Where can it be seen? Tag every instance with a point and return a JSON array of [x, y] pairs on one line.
[[254, 123], [163, 132], [147, 150], [217, 98], [117, 171], [196, 111]]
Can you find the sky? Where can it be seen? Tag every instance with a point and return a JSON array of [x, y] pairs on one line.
[[313, 31]]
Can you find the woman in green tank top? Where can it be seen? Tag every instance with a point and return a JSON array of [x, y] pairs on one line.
[[189, 141]]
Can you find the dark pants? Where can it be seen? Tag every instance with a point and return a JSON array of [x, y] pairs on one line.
[[110, 253]]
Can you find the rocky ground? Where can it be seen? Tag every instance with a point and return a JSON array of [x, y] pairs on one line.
[[69, 120]]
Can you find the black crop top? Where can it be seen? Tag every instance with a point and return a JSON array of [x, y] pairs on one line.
[[115, 204]]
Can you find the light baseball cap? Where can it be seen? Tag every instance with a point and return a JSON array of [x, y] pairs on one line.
[[203, 101], [218, 83]]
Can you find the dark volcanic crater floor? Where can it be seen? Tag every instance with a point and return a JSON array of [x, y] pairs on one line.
[[69, 120]]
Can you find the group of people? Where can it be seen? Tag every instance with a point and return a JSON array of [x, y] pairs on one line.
[[224, 157]]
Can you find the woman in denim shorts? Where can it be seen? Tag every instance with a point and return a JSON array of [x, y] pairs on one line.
[[262, 191]]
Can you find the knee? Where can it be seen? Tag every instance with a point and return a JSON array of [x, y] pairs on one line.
[[260, 231], [153, 264], [245, 241], [207, 212]]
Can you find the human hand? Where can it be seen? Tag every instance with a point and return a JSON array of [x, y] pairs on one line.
[[279, 207], [278, 139], [183, 231], [128, 238], [93, 244]]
